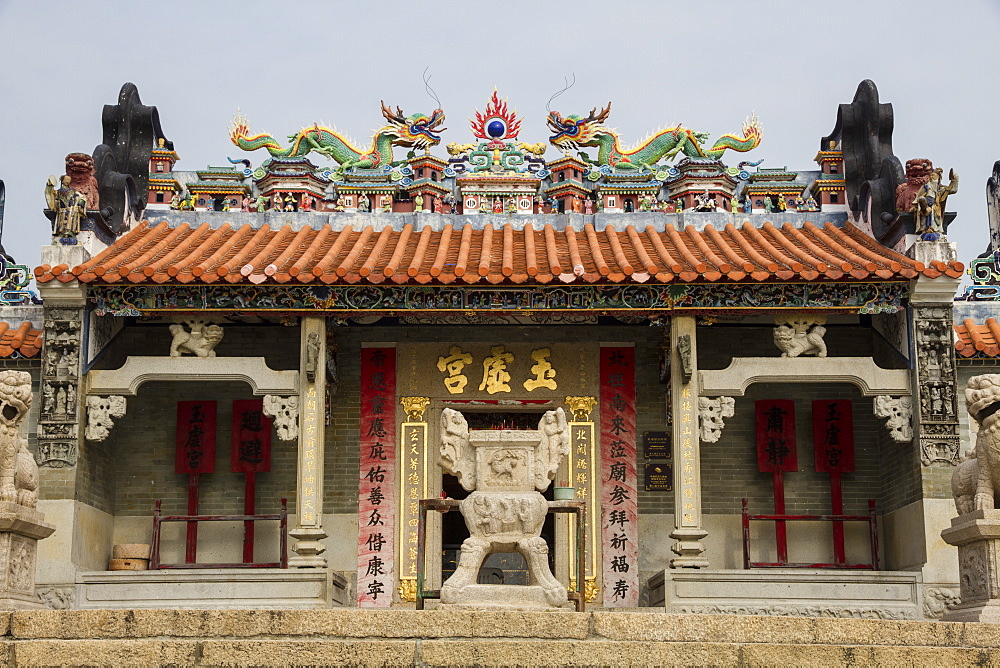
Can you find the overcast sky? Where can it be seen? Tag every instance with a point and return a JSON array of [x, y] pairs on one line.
[[705, 64]]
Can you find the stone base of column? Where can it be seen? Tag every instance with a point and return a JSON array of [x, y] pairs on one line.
[[20, 530], [977, 536], [308, 548], [689, 548]]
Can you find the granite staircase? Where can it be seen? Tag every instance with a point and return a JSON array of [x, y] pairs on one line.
[[467, 638]]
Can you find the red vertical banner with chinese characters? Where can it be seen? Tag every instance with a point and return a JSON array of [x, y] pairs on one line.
[[619, 481], [775, 428], [195, 437], [833, 436], [251, 446], [376, 483]]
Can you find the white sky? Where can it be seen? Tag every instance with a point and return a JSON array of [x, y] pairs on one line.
[[290, 64]]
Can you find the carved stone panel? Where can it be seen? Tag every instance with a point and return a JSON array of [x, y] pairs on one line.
[[60, 389], [711, 414], [937, 403], [897, 412]]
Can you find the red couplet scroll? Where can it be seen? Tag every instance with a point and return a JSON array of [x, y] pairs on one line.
[[251, 446], [775, 429], [833, 436], [195, 437]]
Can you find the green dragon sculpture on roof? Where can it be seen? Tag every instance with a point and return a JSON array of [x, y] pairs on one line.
[[416, 130], [573, 132]]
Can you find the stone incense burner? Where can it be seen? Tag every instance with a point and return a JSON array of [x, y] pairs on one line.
[[505, 470]]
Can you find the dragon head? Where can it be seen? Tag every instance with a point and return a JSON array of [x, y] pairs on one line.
[[572, 132], [417, 130]]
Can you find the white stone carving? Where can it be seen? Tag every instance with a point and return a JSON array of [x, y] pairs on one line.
[[200, 341], [800, 334], [711, 412], [862, 372], [18, 470], [939, 600], [56, 597], [100, 411], [982, 398], [285, 411], [505, 470], [898, 413], [141, 369]]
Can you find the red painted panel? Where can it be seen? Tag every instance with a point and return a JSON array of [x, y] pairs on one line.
[[195, 437], [251, 447], [833, 436], [775, 430], [377, 477], [619, 480]]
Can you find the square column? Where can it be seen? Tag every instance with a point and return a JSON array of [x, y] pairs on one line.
[[308, 529], [688, 531]]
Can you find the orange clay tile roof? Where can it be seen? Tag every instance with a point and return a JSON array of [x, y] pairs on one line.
[[161, 254], [973, 338], [23, 340]]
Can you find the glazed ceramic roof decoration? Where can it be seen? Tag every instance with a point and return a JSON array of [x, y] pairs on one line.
[[161, 254], [974, 340], [20, 341]]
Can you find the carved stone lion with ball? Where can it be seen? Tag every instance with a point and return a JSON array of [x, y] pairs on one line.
[[976, 480]]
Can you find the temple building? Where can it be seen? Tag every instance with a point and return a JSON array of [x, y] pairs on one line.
[[249, 399]]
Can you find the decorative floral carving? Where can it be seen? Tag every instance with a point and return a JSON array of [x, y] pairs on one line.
[[898, 415], [22, 564], [57, 598], [285, 411], [711, 412], [938, 600], [100, 411], [796, 611], [800, 334]]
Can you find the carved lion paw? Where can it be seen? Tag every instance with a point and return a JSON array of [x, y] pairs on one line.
[[984, 501]]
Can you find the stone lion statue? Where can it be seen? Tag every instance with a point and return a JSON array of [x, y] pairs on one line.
[[976, 479], [18, 470], [200, 341], [918, 172], [800, 334], [80, 169]]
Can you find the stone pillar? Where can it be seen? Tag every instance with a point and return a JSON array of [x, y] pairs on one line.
[[977, 536], [935, 384], [688, 531], [59, 414], [308, 529]]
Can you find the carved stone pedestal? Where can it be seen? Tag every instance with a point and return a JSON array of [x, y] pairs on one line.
[[977, 536], [20, 530]]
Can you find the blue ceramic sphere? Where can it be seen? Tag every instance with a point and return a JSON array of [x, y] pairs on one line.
[[496, 128]]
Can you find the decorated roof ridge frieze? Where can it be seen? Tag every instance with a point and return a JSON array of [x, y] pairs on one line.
[[618, 221], [860, 297]]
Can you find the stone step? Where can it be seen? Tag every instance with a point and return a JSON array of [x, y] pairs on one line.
[[468, 638]]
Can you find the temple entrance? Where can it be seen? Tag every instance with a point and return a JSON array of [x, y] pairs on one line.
[[499, 568]]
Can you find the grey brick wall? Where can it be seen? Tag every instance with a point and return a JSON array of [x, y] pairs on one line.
[[135, 466]]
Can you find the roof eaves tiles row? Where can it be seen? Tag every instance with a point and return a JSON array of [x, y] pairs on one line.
[[161, 254], [23, 340], [982, 339]]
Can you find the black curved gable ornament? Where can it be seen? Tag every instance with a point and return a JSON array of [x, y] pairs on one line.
[[871, 170], [121, 161]]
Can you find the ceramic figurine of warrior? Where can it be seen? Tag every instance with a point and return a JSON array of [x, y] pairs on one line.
[[261, 203], [438, 205], [782, 204], [588, 206], [734, 205], [364, 204], [69, 205], [289, 202], [276, 202]]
